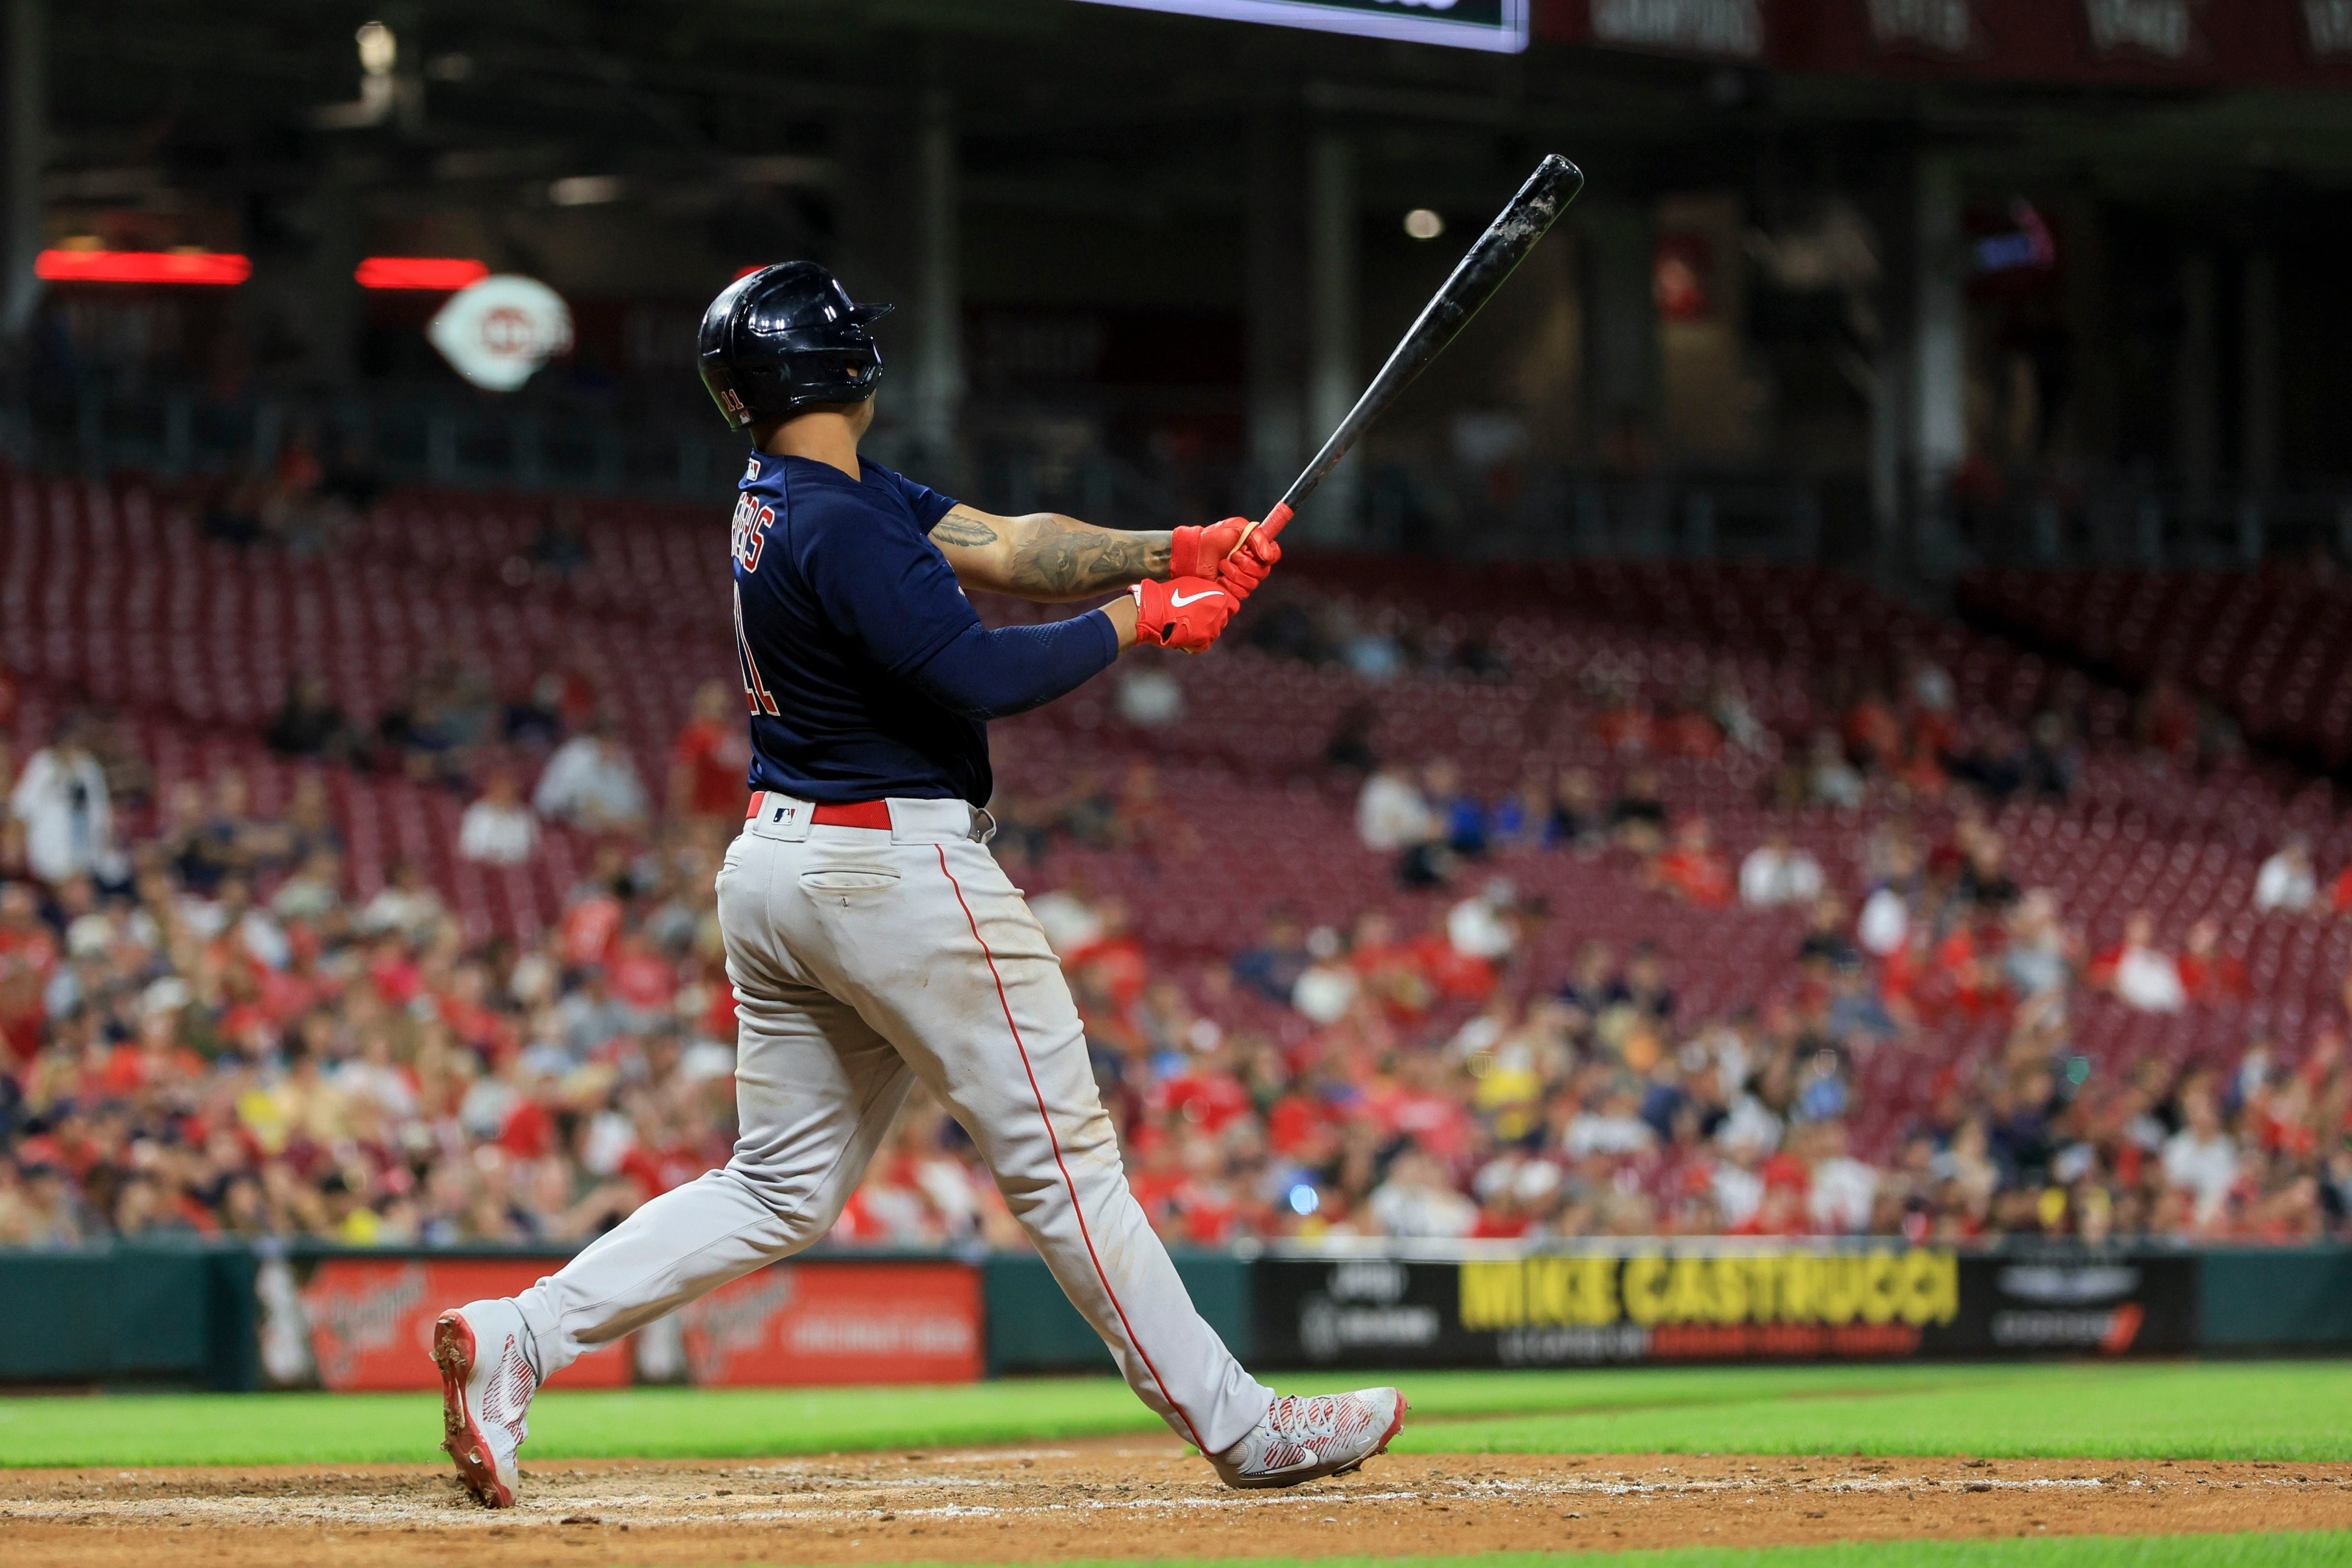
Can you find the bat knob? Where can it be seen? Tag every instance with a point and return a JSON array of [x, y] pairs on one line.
[[1273, 523]]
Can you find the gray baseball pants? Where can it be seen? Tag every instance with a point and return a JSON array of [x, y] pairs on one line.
[[862, 959]]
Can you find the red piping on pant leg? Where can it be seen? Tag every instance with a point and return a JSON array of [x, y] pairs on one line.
[[1036, 1093]]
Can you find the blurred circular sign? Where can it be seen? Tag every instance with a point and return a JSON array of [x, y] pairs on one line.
[[498, 331]]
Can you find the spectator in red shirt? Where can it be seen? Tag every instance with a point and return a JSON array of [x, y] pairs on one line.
[[22, 934], [1206, 1095], [1391, 970], [1114, 960], [27, 954], [1419, 1103], [1693, 869], [711, 760], [2208, 973], [2166, 720], [1870, 731]]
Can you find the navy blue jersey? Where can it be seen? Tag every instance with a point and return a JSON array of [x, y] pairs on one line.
[[840, 595]]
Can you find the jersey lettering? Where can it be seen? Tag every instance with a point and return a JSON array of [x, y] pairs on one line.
[[749, 534]]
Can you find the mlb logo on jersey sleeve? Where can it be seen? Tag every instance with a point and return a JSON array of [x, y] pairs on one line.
[[751, 470]]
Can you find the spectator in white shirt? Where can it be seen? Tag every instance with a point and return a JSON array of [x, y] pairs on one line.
[[2147, 977], [590, 782], [2040, 960], [1616, 1128], [1830, 779], [1842, 1188], [67, 813], [1486, 926], [407, 904], [2286, 881], [314, 889], [2203, 1157], [1737, 1188], [1070, 923], [1417, 1200], [1391, 815], [1885, 924], [1327, 987], [498, 829], [1776, 872]]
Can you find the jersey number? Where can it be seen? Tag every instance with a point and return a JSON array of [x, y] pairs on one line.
[[755, 690]]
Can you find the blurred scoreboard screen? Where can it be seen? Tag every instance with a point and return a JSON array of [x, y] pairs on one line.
[[1497, 24]]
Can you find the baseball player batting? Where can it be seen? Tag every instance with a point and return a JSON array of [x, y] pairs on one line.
[[871, 937]]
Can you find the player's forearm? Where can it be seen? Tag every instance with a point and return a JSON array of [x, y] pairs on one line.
[[1071, 560], [1056, 558], [1047, 557]]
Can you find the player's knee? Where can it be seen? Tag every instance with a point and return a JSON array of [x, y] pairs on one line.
[[797, 1215]]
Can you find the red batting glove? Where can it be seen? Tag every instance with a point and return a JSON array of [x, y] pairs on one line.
[[1210, 552], [1185, 613]]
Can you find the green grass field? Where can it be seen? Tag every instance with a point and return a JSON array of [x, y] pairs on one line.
[[2269, 1411], [2257, 1410]]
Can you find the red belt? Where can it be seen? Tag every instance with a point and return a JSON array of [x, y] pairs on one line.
[[874, 813]]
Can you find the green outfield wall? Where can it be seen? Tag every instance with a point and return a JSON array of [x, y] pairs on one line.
[[2274, 1298], [235, 1316], [181, 1314], [1032, 1327]]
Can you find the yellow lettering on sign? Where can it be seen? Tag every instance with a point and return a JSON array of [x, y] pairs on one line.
[[1686, 1291], [1931, 1288], [1801, 1287], [1548, 1290], [1592, 1290], [1728, 1278], [1644, 1283], [1493, 1296], [1841, 1296], [1915, 1286], [1879, 1287]]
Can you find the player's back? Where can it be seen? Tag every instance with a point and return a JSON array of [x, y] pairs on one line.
[[838, 593]]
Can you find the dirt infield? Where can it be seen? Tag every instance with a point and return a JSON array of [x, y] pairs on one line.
[[1126, 1497]]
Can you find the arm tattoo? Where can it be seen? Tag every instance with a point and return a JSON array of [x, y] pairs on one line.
[[1064, 558], [960, 527]]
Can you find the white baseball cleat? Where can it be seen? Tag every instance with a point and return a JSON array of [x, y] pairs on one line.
[[486, 1383], [1301, 1440]]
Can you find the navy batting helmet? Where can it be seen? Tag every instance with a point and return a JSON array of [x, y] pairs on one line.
[[787, 336]]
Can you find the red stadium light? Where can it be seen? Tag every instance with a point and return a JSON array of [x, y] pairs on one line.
[[446, 273], [210, 268]]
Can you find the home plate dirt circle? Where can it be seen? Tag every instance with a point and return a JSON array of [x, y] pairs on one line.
[[1123, 1497]]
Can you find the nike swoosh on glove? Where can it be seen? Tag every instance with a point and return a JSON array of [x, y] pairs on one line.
[[1185, 613], [1212, 553]]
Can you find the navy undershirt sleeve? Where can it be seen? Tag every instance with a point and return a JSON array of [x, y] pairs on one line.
[[985, 674]]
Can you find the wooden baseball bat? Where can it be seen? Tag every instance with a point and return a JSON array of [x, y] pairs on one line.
[[1505, 244]]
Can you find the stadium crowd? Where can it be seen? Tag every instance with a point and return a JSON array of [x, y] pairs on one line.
[[203, 1032]]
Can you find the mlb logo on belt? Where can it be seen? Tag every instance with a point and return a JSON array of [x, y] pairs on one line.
[[779, 811], [779, 817]]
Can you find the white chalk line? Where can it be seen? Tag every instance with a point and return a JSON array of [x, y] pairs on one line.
[[656, 1509]]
